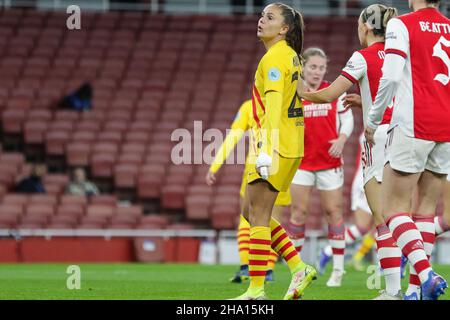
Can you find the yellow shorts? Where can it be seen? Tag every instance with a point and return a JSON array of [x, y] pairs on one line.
[[281, 172], [283, 198]]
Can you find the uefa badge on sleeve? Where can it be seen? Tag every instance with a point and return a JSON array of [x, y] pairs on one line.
[[274, 74]]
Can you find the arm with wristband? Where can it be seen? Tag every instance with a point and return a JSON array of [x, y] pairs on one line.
[[269, 127]]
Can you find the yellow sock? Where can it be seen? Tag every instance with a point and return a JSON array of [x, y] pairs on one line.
[[258, 256], [284, 247], [272, 260], [243, 240], [366, 244]]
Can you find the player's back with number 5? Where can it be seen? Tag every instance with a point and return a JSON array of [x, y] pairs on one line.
[[422, 108]]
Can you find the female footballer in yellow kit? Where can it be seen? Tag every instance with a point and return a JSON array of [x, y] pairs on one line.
[[243, 122], [276, 147]]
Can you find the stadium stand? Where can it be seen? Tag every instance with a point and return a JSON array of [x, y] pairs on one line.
[[150, 75]]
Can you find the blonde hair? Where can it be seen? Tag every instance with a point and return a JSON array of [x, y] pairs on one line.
[[378, 16], [312, 52]]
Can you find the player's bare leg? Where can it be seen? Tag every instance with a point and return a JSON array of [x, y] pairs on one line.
[[442, 223], [389, 255], [331, 201], [299, 212], [363, 221]]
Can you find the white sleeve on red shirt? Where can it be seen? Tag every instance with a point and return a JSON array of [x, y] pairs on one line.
[[397, 38], [345, 116], [355, 68], [397, 49]]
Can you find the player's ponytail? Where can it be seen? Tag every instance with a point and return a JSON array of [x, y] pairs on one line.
[[388, 15], [294, 20], [377, 17]]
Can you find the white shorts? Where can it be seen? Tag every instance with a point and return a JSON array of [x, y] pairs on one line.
[[359, 200], [448, 177], [412, 155], [330, 179], [373, 155]]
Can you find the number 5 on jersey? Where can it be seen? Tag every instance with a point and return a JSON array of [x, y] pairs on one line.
[[441, 54]]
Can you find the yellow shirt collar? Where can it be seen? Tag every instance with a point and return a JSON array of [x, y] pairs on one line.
[[279, 44]]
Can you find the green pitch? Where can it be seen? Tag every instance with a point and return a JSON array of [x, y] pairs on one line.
[[165, 281]]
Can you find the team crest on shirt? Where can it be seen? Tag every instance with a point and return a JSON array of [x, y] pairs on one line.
[[274, 74]]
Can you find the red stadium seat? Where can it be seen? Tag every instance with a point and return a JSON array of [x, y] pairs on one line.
[[39, 212], [12, 120], [134, 211], [8, 220], [110, 137], [62, 125], [12, 158], [173, 196], [57, 179], [16, 199], [43, 199], [60, 225], [71, 211], [56, 142], [125, 175], [30, 225], [65, 115], [73, 200], [84, 136], [53, 189], [224, 217], [39, 115], [157, 220], [8, 174], [131, 158], [197, 207], [88, 126], [105, 147], [102, 164], [100, 211], [137, 136], [78, 153], [34, 131], [104, 199]]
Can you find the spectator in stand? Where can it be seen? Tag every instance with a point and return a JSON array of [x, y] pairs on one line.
[[80, 186], [80, 100], [33, 183]]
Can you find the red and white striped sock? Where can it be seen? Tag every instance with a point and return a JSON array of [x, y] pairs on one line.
[[336, 237], [426, 227], [354, 233], [408, 238], [297, 234], [440, 225], [389, 255]]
